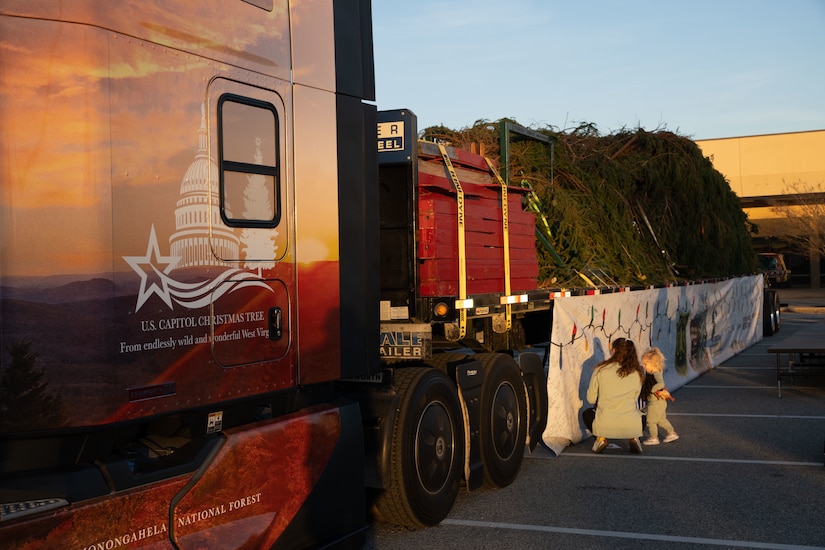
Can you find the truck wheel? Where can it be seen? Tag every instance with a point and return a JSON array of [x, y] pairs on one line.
[[440, 361], [427, 450], [777, 308], [503, 427], [770, 312]]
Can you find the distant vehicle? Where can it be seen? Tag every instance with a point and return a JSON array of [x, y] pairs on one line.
[[772, 266]]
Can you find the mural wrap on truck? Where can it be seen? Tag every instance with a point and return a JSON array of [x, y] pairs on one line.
[[159, 284], [163, 241]]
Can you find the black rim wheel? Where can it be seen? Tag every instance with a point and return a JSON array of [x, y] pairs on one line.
[[503, 428], [427, 450]]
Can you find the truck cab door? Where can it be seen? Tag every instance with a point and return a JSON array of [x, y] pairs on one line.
[[251, 306]]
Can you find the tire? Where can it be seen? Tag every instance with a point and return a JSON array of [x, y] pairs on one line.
[[777, 308], [427, 450], [769, 313], [440, 361], [503, 425]]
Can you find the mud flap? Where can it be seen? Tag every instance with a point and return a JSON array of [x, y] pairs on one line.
[[469, 375], [535, 382]]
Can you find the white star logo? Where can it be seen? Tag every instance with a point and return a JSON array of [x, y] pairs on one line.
[[150, 265]]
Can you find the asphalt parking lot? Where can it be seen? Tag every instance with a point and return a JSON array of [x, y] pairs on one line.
[[747, 472]]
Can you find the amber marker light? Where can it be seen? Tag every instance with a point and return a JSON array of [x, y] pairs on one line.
[[440, 309]]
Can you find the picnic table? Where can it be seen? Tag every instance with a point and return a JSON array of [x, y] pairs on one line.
[[808, 346]]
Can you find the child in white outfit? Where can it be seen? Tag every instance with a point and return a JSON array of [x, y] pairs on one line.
[[653, 360]]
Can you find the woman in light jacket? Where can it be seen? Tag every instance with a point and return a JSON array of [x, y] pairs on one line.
[[614, 390]]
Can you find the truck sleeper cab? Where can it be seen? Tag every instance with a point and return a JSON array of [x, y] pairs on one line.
[[171, 299]]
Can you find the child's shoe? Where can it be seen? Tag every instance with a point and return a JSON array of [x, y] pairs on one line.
[[652, 440], [599, 445], [635, 446], [672, 436]]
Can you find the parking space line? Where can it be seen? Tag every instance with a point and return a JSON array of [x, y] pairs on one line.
[[696, 459], [791, 416], [748, 387], [625, 535], [723, 367]]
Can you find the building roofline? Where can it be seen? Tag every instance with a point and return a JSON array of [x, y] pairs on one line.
[[761, 135], [782, 200]]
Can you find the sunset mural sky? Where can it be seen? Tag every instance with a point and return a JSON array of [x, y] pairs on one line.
[[100, 127]]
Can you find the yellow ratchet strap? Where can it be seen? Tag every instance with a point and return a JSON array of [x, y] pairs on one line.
[[462, 253], [505, 226]]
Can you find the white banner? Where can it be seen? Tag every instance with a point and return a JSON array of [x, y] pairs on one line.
[[696, 326]]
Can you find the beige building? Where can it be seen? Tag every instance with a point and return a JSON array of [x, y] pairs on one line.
[[762, 170]]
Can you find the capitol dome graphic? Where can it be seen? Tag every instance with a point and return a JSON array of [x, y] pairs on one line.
[[199, 208]]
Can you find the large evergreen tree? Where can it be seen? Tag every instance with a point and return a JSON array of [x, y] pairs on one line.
[[631, 207]]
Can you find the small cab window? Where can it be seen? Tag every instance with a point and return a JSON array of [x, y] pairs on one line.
[[249, 162]]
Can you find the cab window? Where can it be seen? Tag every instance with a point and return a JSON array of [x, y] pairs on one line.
[[248, 158]]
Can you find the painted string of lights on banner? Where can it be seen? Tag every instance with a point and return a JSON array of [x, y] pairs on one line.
[[657, 319]]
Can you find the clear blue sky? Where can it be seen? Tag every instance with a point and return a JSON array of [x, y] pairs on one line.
[[701, 68]]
